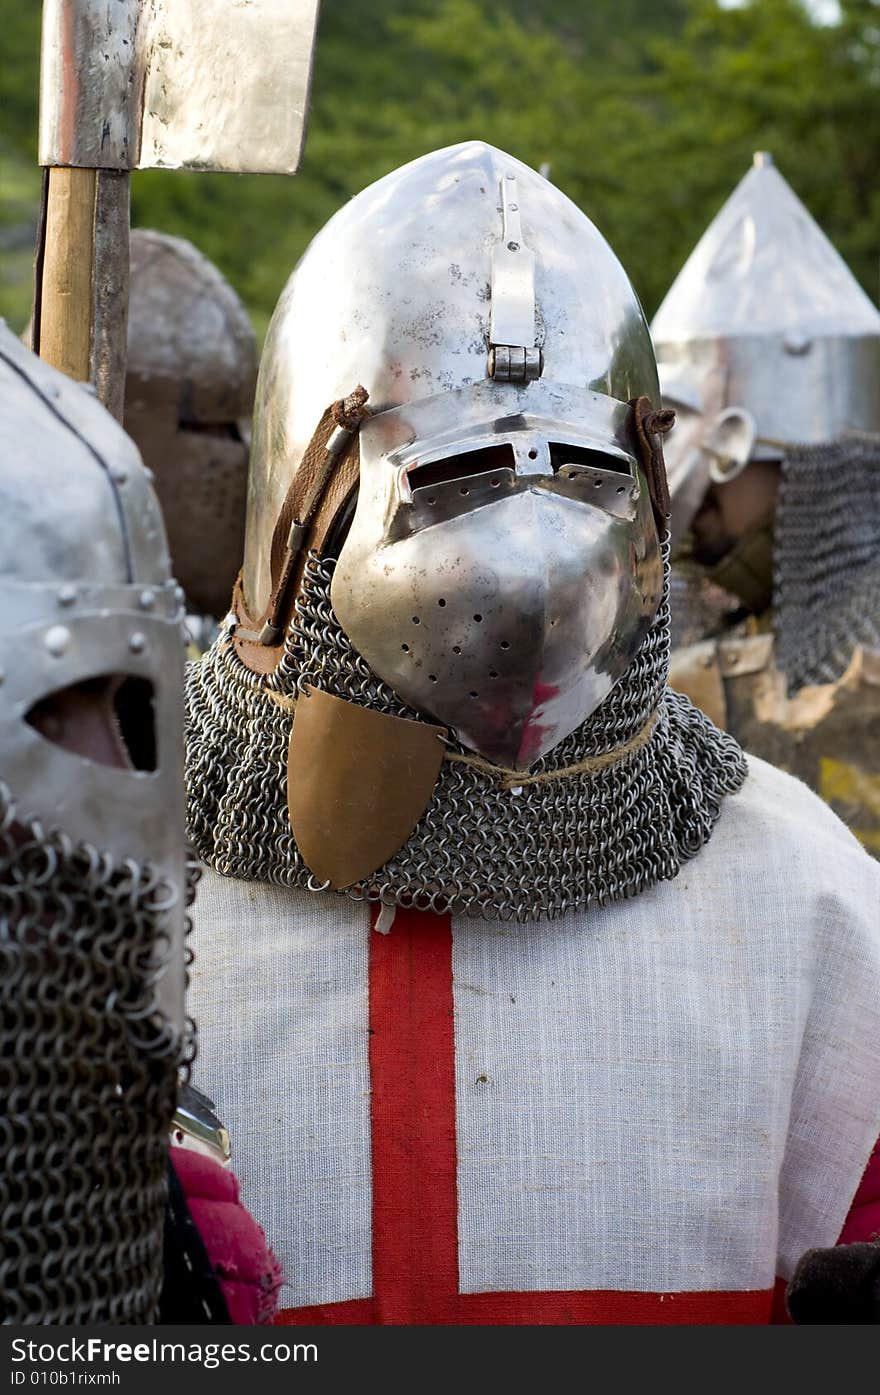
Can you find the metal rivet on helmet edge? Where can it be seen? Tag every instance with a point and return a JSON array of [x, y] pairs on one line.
[[67, 595], [57, 640], [120, 474], [137, 642], [147, 599]]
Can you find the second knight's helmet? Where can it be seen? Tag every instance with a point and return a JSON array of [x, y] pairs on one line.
[[92, 858], [768, 349]]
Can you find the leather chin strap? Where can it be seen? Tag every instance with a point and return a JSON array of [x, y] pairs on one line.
[[651, 426], [315, 499]]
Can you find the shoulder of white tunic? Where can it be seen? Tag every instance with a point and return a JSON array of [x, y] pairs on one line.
[[777, 823], [771, 799]]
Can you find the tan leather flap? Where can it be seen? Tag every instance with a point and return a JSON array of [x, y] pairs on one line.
[[358, 782]]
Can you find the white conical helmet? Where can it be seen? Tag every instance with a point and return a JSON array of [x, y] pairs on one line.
[[764, 339]]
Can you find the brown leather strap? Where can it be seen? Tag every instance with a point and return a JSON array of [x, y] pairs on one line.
[[319, 490], [651, 427]]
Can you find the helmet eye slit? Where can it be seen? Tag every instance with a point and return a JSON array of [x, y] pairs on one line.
[[581, 458], [109, 720], [459, 469]]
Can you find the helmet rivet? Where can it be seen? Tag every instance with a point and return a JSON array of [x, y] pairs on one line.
[[67, 595], [57, 640], [147, 599], [2, 675], [120, 474], [513, 246], [137, 642], [797, 344]]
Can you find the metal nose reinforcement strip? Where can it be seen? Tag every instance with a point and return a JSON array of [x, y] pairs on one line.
[[514, 356]]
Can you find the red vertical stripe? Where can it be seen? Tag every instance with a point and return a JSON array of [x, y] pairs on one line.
[[412, 1068], [415, 1195]]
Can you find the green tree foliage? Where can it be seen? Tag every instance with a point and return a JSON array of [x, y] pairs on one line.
[[647, 112]]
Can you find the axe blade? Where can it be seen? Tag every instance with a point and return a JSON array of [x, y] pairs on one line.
[[176, 84]]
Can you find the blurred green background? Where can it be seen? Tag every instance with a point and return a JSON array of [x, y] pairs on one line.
[[647, 112]]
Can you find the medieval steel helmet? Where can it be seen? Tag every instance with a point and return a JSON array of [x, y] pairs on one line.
[[764, 340], [442, 681], [92, 877], [189, 391], [502, 564]]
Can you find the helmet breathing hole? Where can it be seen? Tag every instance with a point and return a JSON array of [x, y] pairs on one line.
[[405, 648], [456, 648], [479, 619], [533, 455], [493, 673], [474, 694], [432, 678], [504, 644], [441, 601], [416, 620]]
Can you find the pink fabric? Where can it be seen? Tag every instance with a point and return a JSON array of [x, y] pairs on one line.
[[863, 1221], [247, 1270]]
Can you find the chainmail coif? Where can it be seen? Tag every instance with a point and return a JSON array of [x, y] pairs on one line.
[[88, 1076], [826, 562], [479, 849]]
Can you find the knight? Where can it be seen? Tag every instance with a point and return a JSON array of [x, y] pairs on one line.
[[103, 1220], [769, 352], [491, 995]]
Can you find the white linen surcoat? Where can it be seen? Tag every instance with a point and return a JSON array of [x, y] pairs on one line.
[[639, 1113]]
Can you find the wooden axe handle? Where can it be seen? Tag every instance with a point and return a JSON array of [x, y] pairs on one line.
[[82, 321], [65, 331]]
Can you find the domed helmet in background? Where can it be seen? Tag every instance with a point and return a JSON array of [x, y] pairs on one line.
[[192, 365], [769, 351], [92, 858], [484, 518]]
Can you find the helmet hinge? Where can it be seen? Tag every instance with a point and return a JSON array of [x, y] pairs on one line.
[[514, 356]]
